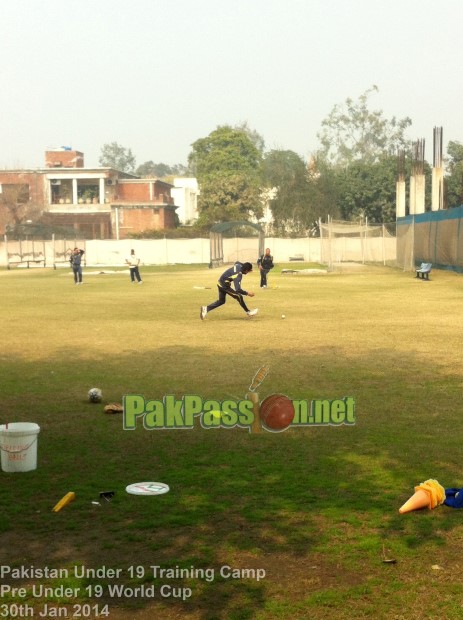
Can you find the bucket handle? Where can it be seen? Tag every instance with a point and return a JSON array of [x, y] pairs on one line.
[[13, 451]]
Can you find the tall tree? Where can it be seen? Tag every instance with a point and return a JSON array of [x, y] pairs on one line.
[[150, 169], [161, 170], [454, 177], [116, 156], [367, 190], [179, 170], [353, 132], [15, 204], [286, 175], [227, 166], [324, 188], [253, 135]]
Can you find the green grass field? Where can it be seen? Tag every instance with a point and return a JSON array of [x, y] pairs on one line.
[[315, 508]]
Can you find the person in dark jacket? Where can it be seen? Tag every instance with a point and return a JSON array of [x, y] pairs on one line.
[[233, 275], [76, 264], [265, 263]]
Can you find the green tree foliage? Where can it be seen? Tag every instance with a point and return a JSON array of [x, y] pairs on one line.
[[149, 169], [253, 135], [357, 161], [454, 177], [290, 191], [353, 132], [324, 189], [116, 156], [368, 190], [227, 166]]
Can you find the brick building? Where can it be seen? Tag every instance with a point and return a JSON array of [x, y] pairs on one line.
[[97, 203]]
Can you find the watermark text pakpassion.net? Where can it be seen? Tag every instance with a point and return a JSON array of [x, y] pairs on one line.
[[174, 413]]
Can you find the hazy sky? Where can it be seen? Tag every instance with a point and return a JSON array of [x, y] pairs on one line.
[[156, 75]]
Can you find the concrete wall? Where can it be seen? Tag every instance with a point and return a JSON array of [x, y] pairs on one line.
[[187, 251], [185, 195]]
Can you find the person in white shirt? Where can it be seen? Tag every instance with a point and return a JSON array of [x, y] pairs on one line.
[[133, 262]]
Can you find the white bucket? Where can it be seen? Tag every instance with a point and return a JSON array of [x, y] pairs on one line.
[[18, 445]]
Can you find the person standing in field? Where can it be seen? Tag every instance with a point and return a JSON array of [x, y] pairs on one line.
[[76, 264], [265, 263], [233, 275], [133, 262]]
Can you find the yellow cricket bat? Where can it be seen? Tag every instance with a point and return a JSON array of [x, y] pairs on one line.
[[64, 501]]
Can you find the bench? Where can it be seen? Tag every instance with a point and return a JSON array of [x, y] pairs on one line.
[[424, 271], [23, 260]]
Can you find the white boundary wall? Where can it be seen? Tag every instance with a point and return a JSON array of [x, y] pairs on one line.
[[188, 251]]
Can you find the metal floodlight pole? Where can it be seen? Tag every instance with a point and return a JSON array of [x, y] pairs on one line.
[[364, 240], [53, 249], [383, 249], [330, 263], [6, 252]]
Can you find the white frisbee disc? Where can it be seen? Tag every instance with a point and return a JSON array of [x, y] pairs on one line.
[[147, 488]]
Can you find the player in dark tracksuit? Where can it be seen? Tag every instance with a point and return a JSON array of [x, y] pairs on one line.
[[76, 264], [229, 277], [265, 263]]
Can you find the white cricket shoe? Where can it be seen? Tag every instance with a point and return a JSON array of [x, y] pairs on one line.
[[253, 312], [203, 312]]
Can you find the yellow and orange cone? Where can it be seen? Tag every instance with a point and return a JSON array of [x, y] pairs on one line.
[[428, 494]]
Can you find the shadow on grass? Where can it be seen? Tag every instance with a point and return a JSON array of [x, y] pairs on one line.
[[271, 502]]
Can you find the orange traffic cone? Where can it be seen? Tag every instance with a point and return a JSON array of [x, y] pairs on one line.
[[419, 500]]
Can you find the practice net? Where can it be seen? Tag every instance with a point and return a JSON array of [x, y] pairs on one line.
[[342, 241], [433, 237]]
